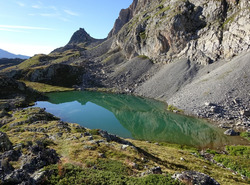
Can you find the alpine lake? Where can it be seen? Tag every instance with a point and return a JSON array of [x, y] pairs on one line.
[[136, 118]]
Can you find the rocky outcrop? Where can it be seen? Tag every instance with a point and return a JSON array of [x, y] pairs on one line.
[[5, 143], [192, 177], [36, 157], [203, 31], [57, 74], [15, 94]]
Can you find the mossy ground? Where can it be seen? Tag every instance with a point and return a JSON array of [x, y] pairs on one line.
[[87, 160]]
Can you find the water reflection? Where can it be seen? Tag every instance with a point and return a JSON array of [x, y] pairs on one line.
[[133, 117]]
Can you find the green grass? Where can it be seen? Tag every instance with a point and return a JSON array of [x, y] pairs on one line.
[[173, 109], [237, 159], [143, 35], [66, 56], [45, 88], [33, 61], [163, 9], [144, 57], [245, 135], [70, 174]]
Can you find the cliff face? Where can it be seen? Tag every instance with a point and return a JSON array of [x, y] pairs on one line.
[[203, 31]]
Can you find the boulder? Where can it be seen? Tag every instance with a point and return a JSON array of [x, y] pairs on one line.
[[18, 177], [231, 132], [5, 143], [193, 177], [38, 158], [111, 137]]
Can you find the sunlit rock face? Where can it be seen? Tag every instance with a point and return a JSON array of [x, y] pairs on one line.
[[203, 31]]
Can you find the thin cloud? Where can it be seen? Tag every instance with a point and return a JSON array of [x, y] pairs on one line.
[[69, 12], [53, 8], [20, 4], [48, 15], [11, 30], [36, 6], [23, 27]]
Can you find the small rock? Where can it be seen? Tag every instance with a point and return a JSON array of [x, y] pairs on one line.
[[124, 147], [182, 159], [88, 147], [90, 138], [156, 170], [245, 113], [102, 155], [236, 101], [133, 165], [86, 134], [231, 132], [208, 104]]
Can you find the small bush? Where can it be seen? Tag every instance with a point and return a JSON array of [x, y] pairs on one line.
[[94, 131]]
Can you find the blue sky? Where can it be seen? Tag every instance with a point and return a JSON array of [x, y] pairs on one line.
[[30, 27]]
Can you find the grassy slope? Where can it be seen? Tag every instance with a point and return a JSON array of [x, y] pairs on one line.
[[45, 88]]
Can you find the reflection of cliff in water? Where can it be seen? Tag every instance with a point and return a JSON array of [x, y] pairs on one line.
[[148, 119]]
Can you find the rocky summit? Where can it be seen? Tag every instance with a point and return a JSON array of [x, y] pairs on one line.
[[193, 55]]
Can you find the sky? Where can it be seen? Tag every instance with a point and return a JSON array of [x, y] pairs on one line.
[[30, 27]]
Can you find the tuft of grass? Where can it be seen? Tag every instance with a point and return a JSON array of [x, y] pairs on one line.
[[143, 35], [173, 109], [144, 57]]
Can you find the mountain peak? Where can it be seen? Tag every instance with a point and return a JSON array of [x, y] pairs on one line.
[[80, 36]]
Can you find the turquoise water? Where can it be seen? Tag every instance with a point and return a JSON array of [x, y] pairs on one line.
[[134, 117]]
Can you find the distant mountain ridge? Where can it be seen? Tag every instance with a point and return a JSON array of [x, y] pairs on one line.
[[6, 54]]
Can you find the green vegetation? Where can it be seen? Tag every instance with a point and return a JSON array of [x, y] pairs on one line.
[[52, 58], [143, 35], [144, 57], [108, 90], [33, 61], [237, 159], [45, 88], [70, 174], [162, 9], [245, 135], [65, 56], [173, 109]]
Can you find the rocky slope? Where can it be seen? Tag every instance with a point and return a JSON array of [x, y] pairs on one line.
[[192, 54]]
